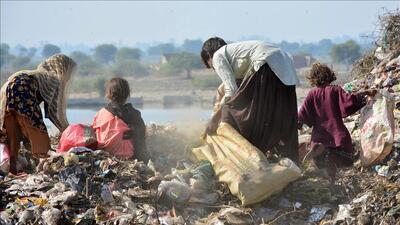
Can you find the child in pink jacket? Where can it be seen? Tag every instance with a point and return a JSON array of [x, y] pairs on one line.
[[119, 127]]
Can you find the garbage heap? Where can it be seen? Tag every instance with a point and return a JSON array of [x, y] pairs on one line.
[[84, 186], [380, 67], [92, 187], [374, 192]]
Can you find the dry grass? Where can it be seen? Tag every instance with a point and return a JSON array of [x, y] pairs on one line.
[[388, 39]]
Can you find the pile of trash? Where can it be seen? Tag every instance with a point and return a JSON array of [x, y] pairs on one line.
[[85, 187], [380, 68], [373, 188], [376, 192]]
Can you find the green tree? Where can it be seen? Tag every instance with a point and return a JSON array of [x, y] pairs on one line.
[[290, 47], [101, 86], [4, 48], [5, 56], [128, 54], [86, 64], [105, 53], [346, 52], [21, 62], [31, 52], [162, 49], [49, 50], [129, 68], [80, 57], [22, 51], [182, 63], [193, 46]]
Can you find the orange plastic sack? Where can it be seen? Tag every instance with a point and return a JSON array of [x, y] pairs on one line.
[[77, 135], [110, 131], [377, 129]]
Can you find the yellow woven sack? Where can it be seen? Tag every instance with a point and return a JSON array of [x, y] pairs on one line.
[[243, 167]]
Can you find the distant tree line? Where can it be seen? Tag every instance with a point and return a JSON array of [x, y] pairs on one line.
[[107, 59]]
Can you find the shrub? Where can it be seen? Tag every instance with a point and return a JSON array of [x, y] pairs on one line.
[[206, 82]]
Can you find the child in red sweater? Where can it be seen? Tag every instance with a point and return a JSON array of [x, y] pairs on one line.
[[324, 109]]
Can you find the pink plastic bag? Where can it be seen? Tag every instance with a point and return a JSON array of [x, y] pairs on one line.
[[77, 135], [4, 158], [110, 134]]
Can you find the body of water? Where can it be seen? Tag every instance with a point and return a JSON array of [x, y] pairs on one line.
[[151, 115]]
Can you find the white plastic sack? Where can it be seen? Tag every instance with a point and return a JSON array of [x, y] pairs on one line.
[[377, 129]]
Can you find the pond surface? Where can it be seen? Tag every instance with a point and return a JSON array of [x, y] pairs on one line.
[[150, 115]]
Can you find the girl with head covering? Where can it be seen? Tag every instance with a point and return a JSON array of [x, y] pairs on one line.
[[259, 94], [20, 99]]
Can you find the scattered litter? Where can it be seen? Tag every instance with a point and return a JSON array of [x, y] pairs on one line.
[[382, 170], [394, 211], [317, 213], [51, 216], [344, 214], [86, 187], [106, 194], [362, 199]]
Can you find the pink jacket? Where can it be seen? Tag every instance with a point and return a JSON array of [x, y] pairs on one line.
[[110, 132]]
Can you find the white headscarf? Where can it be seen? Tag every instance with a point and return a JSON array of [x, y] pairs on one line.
[[52, 75]]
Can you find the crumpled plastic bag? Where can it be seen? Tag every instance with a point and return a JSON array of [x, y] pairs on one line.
[[344, 214], [77, 135], [5, 160], [377, 129], [243, 167], [317, 213], [181, 192], [74, 176], [175, 190], [51, 216]]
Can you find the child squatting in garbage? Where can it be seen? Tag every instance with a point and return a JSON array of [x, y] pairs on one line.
[[324, 109], [119, 127]]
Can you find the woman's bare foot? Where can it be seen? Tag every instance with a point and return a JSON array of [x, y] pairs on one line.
[[317, 150]]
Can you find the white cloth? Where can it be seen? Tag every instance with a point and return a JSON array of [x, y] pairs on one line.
[[242, 59]]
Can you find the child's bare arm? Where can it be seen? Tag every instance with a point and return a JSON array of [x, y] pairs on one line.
[[369, 92]]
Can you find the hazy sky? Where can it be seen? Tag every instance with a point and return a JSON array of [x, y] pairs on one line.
[[33, 23]]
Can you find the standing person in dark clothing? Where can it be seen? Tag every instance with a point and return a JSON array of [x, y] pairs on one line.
[[119, 127], [259, 87], [324, 109]]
